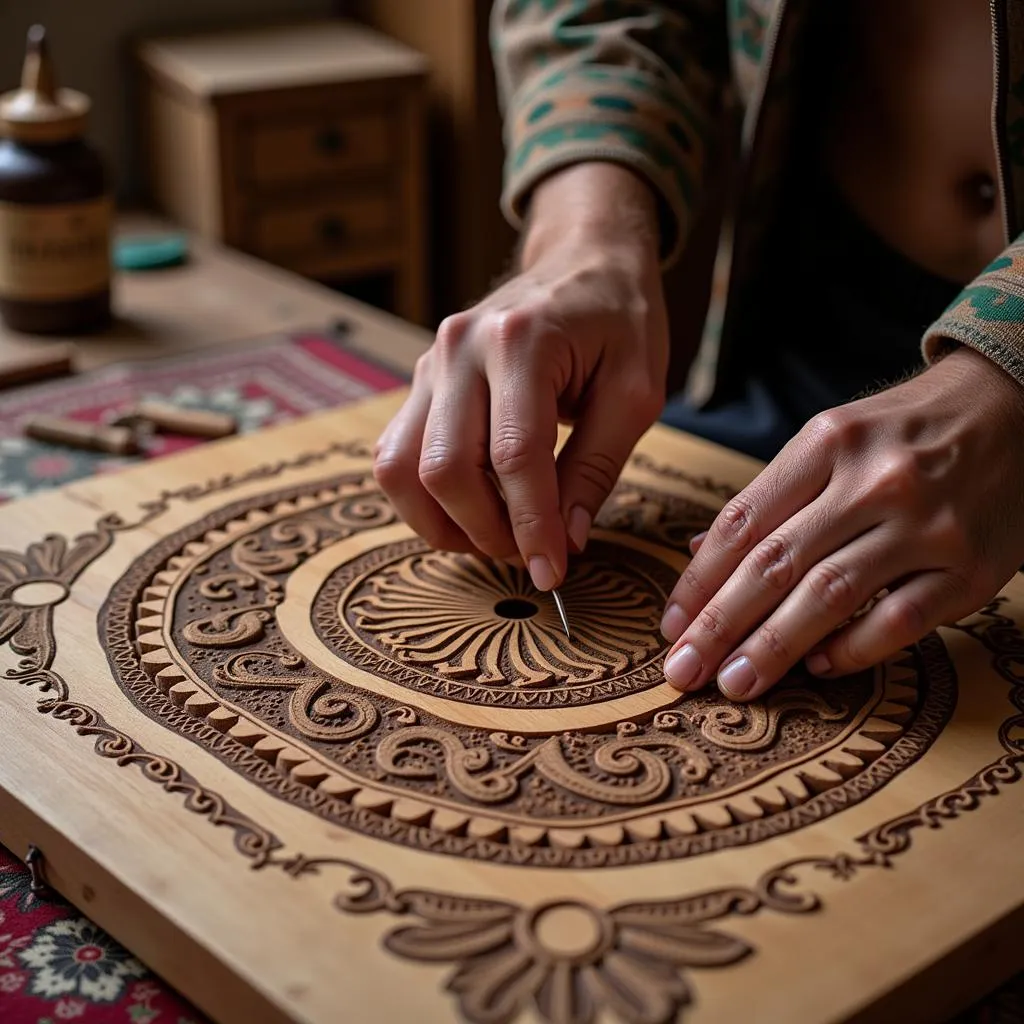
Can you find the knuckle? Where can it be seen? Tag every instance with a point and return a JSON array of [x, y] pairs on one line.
[[896, 478], [773, 561], [692, 583], [948, 535], [713, 623], [512, 448], [510, 326], [904, 616], [392, 470], [641, 401], [734, 525], [833, 430], [451, 332], [421, 370], [598, 470], [830, 584], [774, 643], [524, 520], [441, 470]]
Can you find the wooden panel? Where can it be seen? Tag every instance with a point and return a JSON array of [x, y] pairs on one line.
[[311, 146], [300, 762], [324, 227]]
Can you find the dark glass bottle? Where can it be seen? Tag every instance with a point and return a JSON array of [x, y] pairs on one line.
[[55, 207]]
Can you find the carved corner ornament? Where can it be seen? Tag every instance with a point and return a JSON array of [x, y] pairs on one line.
[[357, 703]]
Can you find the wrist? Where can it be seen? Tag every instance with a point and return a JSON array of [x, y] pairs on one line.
[[974, 368], [593, 204]]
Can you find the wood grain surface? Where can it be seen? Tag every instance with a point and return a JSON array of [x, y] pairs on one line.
[[311, 771]]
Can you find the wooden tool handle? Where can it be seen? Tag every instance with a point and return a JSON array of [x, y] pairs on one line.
[[53, 361], [94, 437], [191, 422]]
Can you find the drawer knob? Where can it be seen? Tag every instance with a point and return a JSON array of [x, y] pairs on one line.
[[332, 229], [330, 141]]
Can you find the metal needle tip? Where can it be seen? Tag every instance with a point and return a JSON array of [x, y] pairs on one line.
[[561, 613]]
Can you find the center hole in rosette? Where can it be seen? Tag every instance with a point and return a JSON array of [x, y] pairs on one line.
[[516, 608]]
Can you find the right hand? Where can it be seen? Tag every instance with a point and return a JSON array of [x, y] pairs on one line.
[[579, 336]]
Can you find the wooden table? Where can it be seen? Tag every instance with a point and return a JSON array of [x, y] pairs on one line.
[[870, 872], [218, 297], [308, 770]]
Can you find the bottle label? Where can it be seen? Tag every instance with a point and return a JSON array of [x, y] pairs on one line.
[[55, 252]]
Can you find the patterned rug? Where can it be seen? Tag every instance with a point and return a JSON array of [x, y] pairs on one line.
[[55, 964], [260, 383]]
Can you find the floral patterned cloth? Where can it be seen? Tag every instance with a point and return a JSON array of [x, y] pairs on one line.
[[55, 965]]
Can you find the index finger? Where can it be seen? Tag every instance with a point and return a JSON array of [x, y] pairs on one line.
[[524, 429], [794, 478]]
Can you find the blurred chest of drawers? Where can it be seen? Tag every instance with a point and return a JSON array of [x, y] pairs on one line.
[[302, 144]]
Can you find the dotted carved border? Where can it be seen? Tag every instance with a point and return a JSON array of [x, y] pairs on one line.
[[639, 966]]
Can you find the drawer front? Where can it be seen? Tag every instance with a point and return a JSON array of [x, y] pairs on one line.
[[309, 147], [324, 227]]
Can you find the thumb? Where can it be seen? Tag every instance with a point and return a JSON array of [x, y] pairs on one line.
[[593, 457]]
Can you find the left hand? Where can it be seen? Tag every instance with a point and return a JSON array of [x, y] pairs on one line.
[[917, 490]]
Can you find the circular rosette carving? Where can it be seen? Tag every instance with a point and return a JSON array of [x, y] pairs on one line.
[[483, 625], [311, 642]]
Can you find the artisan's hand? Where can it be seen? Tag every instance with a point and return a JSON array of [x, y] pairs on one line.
[[580, 336], [917, 490]]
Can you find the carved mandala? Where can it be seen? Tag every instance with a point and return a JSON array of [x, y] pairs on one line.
[[308, 640]]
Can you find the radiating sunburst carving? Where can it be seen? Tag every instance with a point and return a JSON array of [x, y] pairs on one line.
[[485, 623]]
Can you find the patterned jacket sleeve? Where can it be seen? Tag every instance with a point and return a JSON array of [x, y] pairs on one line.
[[636, 82], [987, 315]]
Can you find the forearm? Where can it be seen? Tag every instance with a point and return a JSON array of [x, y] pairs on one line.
[[636, 83], [592, 204]]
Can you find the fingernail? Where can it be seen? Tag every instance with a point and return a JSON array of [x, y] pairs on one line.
[[818, 664], [579, 527], [736, 679], [541, 572], [696, 540], [673, 623], [683, 666]]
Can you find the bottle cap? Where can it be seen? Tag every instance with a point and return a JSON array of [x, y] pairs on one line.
[[39, 111]]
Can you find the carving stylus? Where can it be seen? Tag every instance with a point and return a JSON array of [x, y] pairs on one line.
[[561, 612], [559, 603]]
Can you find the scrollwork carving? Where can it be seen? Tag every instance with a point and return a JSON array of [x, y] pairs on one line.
[[225, 585], [755, 726], [643, 773], [317, 709], [230, 628]]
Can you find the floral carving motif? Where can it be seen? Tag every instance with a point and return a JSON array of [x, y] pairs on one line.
[[32, 583], [485, 623], [564, 959], [479, 633]]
